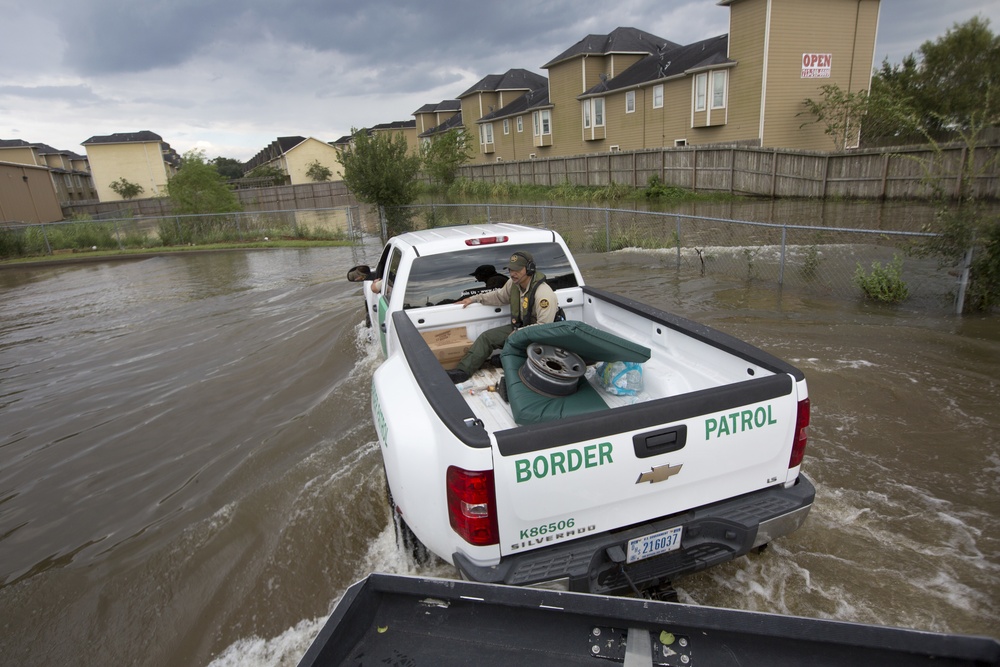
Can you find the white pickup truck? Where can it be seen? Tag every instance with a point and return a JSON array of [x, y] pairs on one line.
[[563, 479]]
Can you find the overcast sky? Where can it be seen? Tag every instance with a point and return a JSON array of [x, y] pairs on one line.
[[230, 76]]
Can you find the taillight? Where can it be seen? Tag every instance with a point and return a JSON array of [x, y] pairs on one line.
[[472, 506], [486, 240], [799, 446]]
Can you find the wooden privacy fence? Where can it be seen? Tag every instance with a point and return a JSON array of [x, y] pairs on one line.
[[889, 173]]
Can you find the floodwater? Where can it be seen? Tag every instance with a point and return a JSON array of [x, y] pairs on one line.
[[189, 474]]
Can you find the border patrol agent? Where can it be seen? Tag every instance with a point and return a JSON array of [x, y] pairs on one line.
[[531, 301]]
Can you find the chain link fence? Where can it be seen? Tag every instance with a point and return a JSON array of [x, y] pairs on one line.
[[81, 235], [820, 260]]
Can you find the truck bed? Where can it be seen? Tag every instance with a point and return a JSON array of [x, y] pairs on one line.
[[496, 414]]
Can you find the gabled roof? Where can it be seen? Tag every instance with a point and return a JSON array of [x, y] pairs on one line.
[[668, 64], [442, 106], [14, 143], [143, 136], [512, 79], [453, 122], [394, 125], [273, 151], [619, 40], [535, 99]]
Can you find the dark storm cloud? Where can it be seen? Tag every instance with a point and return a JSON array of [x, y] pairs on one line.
[[116, 36]]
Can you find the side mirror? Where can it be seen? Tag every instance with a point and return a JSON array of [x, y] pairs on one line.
[[359, 273]]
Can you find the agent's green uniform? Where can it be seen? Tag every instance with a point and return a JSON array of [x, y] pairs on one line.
[[537, 305]]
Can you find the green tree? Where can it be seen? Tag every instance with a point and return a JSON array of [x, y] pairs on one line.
[[126, 189], [841, 111], [445, 154], [318, 172], [967, 230], [269, 171], [198, 188], [229, 168], [950, 84], [379, 170]]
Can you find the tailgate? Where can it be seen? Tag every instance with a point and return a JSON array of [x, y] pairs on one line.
[[573, 477]]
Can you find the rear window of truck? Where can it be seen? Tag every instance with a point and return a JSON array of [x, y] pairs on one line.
[[447, 277]]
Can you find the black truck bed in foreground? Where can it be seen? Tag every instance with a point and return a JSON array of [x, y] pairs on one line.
[[400, 620]]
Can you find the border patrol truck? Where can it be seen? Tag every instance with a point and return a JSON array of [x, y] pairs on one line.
[[609, 452]]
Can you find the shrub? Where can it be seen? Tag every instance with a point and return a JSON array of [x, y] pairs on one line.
[[883, 283]]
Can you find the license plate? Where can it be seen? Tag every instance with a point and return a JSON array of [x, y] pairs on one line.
[[653, 545]]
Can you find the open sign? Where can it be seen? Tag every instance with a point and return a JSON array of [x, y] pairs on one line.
[[816, 65]]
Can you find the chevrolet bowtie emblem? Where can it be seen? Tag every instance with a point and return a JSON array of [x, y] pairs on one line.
[[659, 474]]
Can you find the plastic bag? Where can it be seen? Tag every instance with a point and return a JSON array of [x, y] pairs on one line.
[[621, 378]]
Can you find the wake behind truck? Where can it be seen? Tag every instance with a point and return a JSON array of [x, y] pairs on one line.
[[609, 452]]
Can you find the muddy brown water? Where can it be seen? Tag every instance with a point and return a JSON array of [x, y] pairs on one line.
[[189, 474]]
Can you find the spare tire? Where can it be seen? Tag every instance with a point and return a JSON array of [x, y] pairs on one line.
[[551, 371]]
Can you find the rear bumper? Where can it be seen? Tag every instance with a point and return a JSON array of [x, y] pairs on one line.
[[712, 534]]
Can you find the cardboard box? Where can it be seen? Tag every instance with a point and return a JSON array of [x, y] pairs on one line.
[[448, 345]]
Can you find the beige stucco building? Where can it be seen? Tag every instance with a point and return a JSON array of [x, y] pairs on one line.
[[142, 158], [295, 156]]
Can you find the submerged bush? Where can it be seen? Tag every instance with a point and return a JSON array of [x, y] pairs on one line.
[[883, 283]]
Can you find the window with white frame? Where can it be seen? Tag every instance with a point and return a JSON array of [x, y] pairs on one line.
[[719, 89], [506, 126], [630, 102], [593, 112], [700, 91], [658, 96], [543, 122], [520, 124], [486, 133]]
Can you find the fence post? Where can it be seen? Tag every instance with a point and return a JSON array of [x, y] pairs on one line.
[[963, 282], [45, 235], [607, 230], [118, 236], [678, 219], [781, 265]]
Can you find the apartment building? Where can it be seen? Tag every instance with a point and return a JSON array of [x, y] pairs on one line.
[[430, 117], [631, 90], [69, 171], [294, 156], [489, 95], [406, 128], [141, 157]]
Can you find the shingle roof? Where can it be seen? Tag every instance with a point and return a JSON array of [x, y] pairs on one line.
[[669, 63], [513, 79], [535, 99], [619, 40], [442, 106], [394, 125], [13, 143], [273, 151], [125, 137], [454, 121]]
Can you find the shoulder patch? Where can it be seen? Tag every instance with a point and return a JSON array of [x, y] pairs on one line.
[[544, 303]]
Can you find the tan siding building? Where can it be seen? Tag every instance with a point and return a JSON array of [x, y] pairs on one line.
[[481, 107], [27, 194]]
